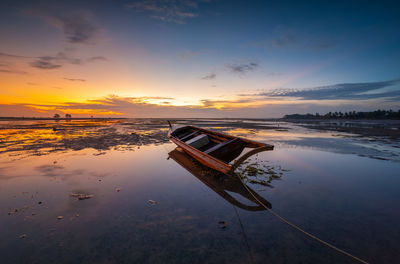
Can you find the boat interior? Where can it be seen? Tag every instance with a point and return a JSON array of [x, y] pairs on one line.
[[223, 147]]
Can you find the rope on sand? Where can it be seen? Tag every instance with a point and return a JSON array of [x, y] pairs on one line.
[[301, 230]]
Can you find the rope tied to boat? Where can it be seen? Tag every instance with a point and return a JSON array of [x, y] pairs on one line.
[[299, 229]]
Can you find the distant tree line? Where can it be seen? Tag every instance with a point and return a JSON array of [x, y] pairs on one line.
[[377, 114], [57, 116]]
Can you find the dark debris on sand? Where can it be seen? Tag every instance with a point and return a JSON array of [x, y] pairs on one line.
[[257, 172]]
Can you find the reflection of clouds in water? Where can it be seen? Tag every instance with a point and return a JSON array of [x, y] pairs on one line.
[[74, 206], [8, 173], [60, 171], [344, 146], [3, 173], [319, 138], [46, 170], [49, 170]]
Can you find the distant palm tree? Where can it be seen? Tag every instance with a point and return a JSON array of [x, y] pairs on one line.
[[68, 116], [56, 116]]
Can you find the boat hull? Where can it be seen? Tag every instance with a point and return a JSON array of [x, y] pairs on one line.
[[203, 158], [213, 162]]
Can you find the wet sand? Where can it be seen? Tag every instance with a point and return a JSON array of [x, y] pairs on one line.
[[363, 128], [41, 137]]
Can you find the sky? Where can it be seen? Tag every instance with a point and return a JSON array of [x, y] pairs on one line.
[[205, 58]]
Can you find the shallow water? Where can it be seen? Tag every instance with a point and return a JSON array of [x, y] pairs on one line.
[[342, 188]]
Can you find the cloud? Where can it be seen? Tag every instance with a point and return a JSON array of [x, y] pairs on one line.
[[113, 105], [284, 37], [285, 41], [47, 62], [176, 11], [97, 58], [305, 42], [19, 110], [255, 106], [347, 91], [242, 68], [117, 100], [44, 64], [78, 29], [54, 62], [13, 71], [156, 97], [7, 68], [77, 26], [61, 56], [225, 103], [211, 76], [13, 55], [75, 80]]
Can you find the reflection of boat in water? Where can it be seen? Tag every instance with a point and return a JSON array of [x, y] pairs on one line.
[[218, 182], [222, 184], [213, 149]]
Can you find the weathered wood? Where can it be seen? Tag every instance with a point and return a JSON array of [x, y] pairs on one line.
[[187, 136], [221, 145], [219, 156]]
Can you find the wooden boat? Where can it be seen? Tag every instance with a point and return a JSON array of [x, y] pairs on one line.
[[223, 186], [215, 150]]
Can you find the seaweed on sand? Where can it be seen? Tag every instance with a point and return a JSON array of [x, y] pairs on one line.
[[257, 172]]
